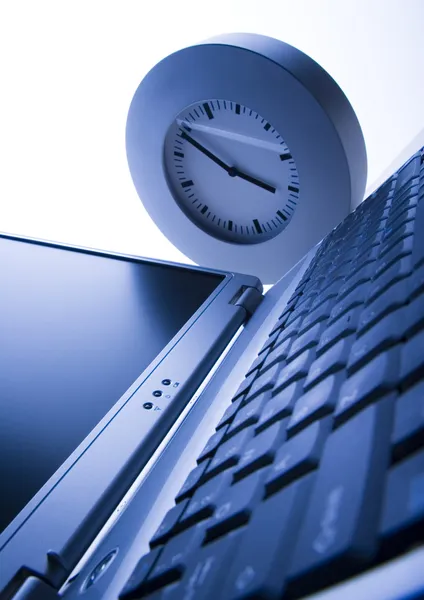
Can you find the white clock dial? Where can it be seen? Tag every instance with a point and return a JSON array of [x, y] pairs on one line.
[[231, 172]]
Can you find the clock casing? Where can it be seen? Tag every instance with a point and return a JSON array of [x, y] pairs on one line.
[[291, 92]]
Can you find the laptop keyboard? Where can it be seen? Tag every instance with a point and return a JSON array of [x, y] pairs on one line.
[[316, 470]]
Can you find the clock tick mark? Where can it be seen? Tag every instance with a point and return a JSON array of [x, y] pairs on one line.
[[186, 184], [257, 225], [280, 214], [293, 189], [267, 126], [204, 209], [237, 109], [180, 154], [208, 110], [286, 156]]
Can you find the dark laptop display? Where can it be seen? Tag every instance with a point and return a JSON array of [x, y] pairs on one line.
[[77, 331]]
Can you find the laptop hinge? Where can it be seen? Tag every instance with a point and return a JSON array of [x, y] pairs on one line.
[[248, 298]]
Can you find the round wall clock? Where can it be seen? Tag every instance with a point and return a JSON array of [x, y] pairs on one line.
[[245, 153]]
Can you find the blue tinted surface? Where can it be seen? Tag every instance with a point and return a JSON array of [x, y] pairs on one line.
[[76, 330]]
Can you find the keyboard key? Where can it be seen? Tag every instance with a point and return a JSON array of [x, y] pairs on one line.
[[408, 172], [280, 406], [249, 414], [279, 324], [169, 524], [277, 355], [399, 270], [365, 255], [291, 331], [204, 571], [355, 298], [362, 275], [418, 249], [382, 336], [412, 360], [401, 249], [244, 386], [171, 563], [228, 454], [229, 414], [191, 483], [303, 306], [393, 237], [330, 291], [264, 383], [338, 330], [406, 200], [294, 371], [408, 428], [416, 282], [234, 507], [305, 341], [297, 456], [316, 316], [399, 220], [394, 297], [400, 234], [414, 317], [212, 444], [330, 362], [375, 379], [203, 503], [257, 363], [316, 403], [339, 531], [403, 514], [138, 576], [269, 342], [258, 570], [260, 451]]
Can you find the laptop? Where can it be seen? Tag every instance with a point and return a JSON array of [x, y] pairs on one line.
[[172, 432]]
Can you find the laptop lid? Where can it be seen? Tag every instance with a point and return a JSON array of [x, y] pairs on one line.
[[99, 355]]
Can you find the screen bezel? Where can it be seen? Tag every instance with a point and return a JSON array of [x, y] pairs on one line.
[[212, 325]]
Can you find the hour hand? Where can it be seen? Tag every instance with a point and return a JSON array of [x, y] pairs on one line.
[[258, 182]]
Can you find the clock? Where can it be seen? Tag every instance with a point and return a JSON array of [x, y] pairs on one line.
[[217, 151], [245, 153]]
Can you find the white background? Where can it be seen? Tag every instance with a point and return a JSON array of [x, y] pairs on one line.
[[69, 70]]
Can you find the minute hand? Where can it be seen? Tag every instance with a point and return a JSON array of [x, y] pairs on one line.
[[205, 151]]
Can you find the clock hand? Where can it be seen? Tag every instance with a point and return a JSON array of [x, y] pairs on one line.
[[261, 184], [205, 151], [232, 135], [232, 171]]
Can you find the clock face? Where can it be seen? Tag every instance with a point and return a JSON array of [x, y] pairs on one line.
[[231, 171]]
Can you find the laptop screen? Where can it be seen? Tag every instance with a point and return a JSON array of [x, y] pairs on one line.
[[76, 330]]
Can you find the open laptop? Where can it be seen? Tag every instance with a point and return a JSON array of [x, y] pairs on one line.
[[172, 432]]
